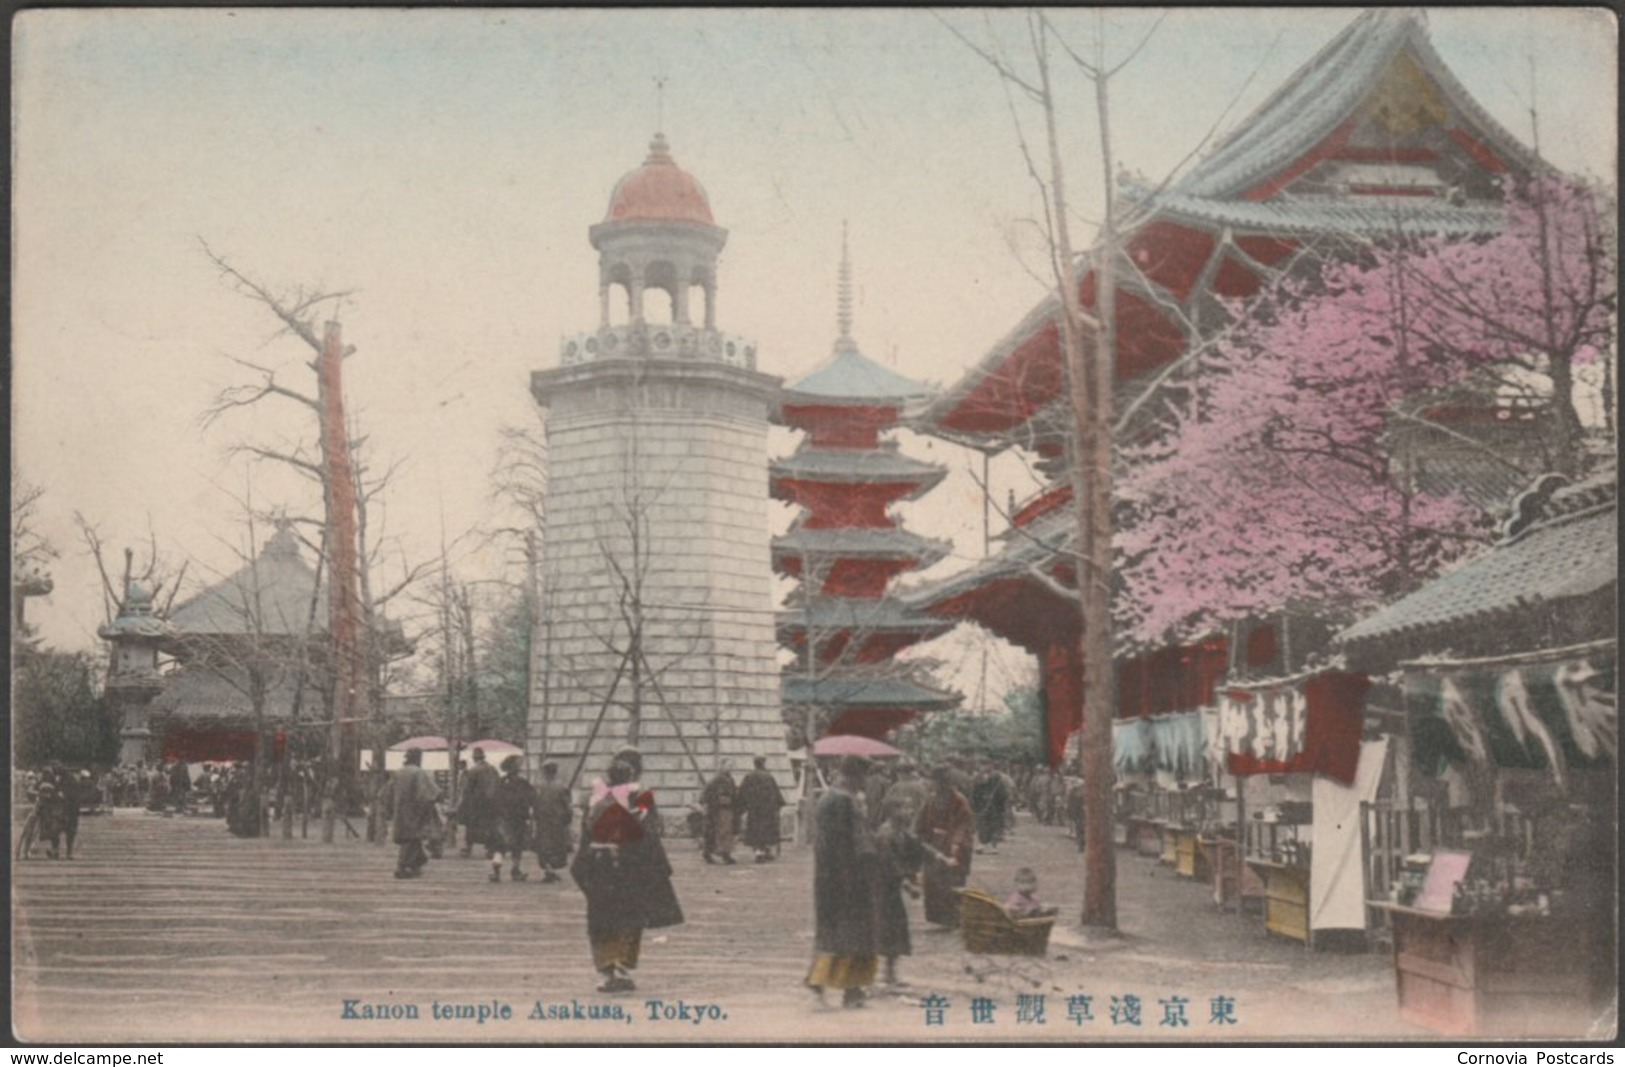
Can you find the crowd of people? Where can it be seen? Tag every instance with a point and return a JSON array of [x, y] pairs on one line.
[[882, 835]]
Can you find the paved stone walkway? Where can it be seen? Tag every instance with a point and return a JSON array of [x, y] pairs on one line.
[[169, 929]]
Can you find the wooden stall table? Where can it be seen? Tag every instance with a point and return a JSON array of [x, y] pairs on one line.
[[1165, 837], [1144, 835], [1189, 859], [1286, 898], [1491, 974]]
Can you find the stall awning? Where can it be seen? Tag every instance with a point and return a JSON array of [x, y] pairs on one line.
[[1554, 712], [1295, 726]]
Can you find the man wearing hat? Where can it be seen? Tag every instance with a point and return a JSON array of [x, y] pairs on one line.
[[552, 816], [515, 799], [759, 801], [478, 809]]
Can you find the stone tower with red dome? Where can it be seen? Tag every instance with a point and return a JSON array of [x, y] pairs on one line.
[[658, 626]]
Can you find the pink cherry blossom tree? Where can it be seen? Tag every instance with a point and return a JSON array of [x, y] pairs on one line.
[[1276, 487]]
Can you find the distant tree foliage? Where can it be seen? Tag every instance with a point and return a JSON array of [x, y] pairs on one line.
[[505, 672], [58, 714], [1014, 735]]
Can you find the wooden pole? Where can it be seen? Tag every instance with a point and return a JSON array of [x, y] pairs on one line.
[[344, 599]]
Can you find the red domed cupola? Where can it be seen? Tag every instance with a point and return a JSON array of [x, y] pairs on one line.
[[659, 191]]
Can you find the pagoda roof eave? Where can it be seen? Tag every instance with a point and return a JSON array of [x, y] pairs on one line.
[[848, 378], [865, 544], [859, 467]]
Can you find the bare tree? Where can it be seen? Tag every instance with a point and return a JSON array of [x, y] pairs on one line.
[[30, 551], [354, 663]]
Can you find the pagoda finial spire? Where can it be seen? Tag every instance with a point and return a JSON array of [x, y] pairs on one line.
[[843, 306]]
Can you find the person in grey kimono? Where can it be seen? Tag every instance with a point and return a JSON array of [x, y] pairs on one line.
[[414, 796]]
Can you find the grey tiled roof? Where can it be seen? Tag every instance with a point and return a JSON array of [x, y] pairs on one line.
[[204, 694], [858, 465], [860, 543], [1355, 216], [851, 376], [869, 692], [271, 595], [1321, 94], [1037, 543], [1574, 553], [853, 613]]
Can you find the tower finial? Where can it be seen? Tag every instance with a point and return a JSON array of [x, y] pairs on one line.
[[660, 103], [843, 305]]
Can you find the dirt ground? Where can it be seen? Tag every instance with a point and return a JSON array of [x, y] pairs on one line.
[[168, 930]]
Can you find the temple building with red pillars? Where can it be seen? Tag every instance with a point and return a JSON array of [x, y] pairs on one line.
[[184, 684], [847, 548], [1370, 137]]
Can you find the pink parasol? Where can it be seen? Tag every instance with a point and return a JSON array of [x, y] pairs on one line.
[[853, 745]]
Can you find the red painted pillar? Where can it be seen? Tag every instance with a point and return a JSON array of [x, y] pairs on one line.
[[1063, 694]]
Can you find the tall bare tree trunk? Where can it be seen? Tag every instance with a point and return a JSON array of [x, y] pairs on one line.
[[344, 600], [1089, 378]]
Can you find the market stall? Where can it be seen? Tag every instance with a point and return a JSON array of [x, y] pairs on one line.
[[1167, 797], [1504, 908], [1296, 745], [1512, 928]]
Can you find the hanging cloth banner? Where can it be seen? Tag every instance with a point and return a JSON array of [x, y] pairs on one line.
[[1307, 727], [1132, 746], [1173, 744], [1554, 716], [1177, 742]]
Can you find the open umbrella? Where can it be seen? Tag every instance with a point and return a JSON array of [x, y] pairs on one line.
[[853, 745]]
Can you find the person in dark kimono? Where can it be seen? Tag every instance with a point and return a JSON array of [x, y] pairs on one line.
[[552, 818], [718, 799], [945, 828], [898, 856], [990, 800], [622, 869], [180, 784], [51, 812], [158, 789], [760, 801], [414, 795], [478, 809], [515, 799], [844, 889]]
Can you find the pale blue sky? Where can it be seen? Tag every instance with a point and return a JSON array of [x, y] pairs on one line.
[[446, 165]]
